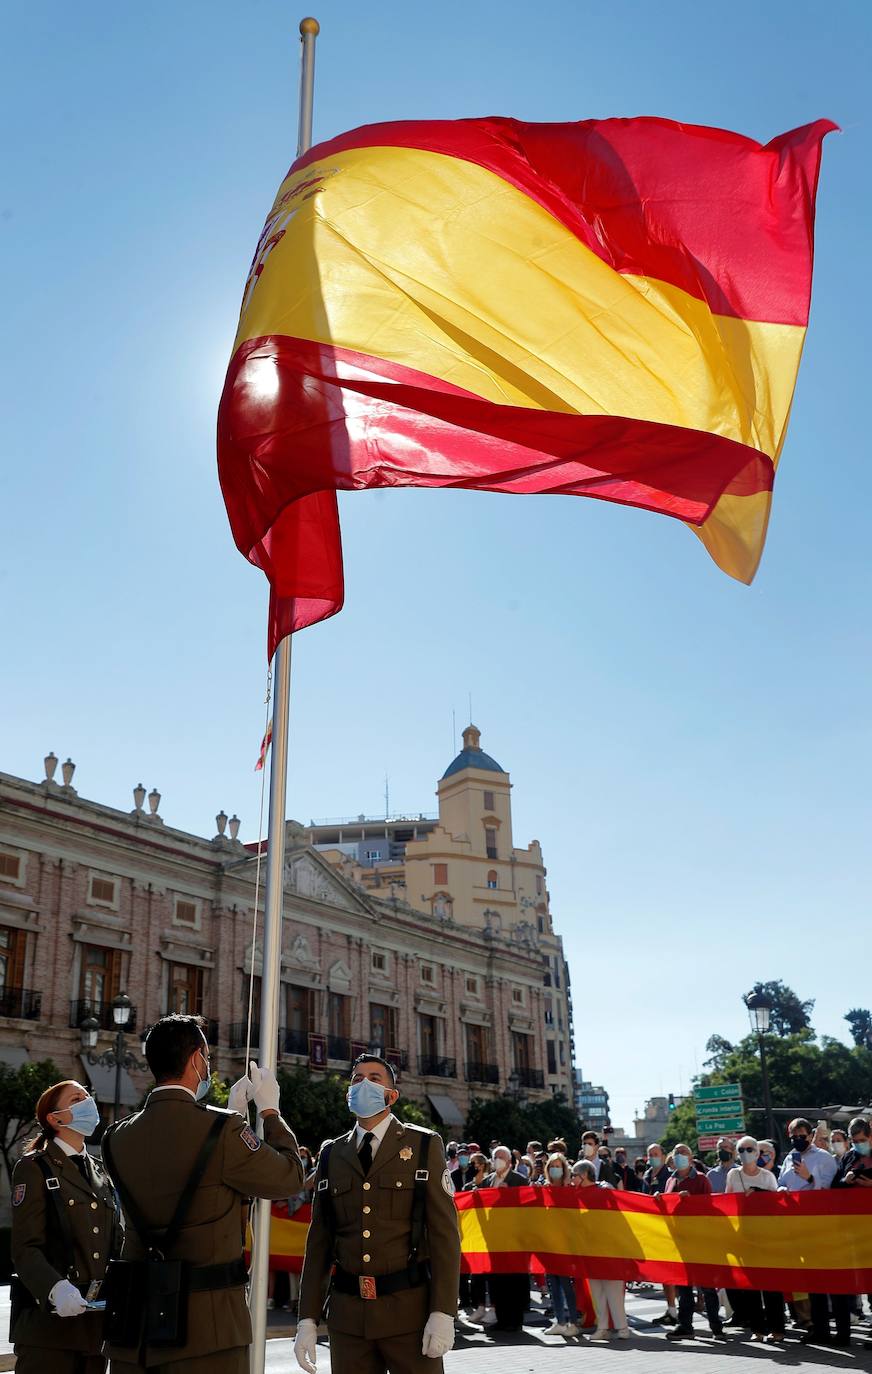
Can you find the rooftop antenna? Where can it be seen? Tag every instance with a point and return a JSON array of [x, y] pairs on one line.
[[387, 797]]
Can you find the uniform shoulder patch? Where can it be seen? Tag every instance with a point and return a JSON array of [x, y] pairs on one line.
[[248, 1137], [447, 1184], [18, 1193]]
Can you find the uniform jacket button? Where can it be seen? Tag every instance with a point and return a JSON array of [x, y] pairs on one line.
[[96, 1254], [93, 1206], [366, 1187], [366, 1235], [366, 1211], [366, 1259], [399, 1183], [72, 1202]]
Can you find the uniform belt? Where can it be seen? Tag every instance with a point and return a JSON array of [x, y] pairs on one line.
[[204, 1277], [379, 1286]]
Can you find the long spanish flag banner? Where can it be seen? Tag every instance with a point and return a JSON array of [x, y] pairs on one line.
[[611, 308], [788, 1242]]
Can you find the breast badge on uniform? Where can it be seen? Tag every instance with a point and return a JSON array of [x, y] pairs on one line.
[[406, 1152], [248, 1137], [18, 1194]]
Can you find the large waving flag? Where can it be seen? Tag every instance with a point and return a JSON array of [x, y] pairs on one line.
[[613, 308], [789, 1242]]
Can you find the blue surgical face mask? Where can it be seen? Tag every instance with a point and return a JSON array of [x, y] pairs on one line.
[[463, 1161], [366, 1098], [863, 1147], [682, 1162], [203, 1085], [555, 1173], [84, 1117]]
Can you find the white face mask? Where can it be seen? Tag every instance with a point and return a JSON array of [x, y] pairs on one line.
[[839, 1147], [501, 1165], [589, 1150]]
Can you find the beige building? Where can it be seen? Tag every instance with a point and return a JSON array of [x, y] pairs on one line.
[[95, 900], [462, 867]]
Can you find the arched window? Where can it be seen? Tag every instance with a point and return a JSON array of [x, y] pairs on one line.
[[492, 879]]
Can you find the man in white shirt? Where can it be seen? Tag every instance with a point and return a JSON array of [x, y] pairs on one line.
[[805, 1166]]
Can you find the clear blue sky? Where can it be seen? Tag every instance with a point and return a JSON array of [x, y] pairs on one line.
[[693, 755]]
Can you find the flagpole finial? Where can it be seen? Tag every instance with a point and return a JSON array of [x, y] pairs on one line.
[[310, 25]]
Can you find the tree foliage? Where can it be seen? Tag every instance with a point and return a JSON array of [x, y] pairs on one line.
[[20, 1090], [860, 1021], [503, 1119], [789, 1015]]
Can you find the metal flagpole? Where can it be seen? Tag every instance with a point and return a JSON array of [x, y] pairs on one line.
[[272, 915]]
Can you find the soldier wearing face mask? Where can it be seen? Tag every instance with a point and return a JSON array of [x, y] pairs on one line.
[[152, 1157], [385, 1224], [65, 1229]]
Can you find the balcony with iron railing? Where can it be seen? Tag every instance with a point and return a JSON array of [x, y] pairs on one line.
[[432, 1066], [476, 1072], [530, 1078], [293, 1041], [339, 1048], [101, 1012], [22, 1003]]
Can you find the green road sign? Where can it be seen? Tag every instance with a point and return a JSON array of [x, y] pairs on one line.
[[720, 1124], [720, 1090], [705, 1109]]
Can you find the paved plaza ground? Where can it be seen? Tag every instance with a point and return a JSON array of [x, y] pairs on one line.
[[531, 1352]]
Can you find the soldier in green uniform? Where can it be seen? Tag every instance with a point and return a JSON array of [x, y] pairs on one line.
[[151, 1157], [65, 1229], [384, 1213]]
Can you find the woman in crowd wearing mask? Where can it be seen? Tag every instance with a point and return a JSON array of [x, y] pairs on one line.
[[762, 1312], [767, 1157], [839, 1143], [561, 1289], [510, 1293], [65, 1229], [607, 1294], [687, 1179], [482, 1313]]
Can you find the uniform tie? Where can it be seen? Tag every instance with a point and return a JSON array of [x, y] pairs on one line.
[[81, 1163], [365, 1152]]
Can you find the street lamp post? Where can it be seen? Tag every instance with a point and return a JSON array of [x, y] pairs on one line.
[[119, 1058], [759, 1010]]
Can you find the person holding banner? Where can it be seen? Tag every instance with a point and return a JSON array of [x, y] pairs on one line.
[[384, 1222]]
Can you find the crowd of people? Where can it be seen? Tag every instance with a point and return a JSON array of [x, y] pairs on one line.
[[62, 1250], [816, 1159]]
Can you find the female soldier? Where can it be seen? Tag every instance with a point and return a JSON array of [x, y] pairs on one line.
[[65, 1230]]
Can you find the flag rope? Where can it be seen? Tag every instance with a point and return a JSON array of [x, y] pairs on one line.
[[251, 974]]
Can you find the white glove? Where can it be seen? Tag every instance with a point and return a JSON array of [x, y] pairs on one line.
[[68, 1301], [265, 1094], [438, 1335], [306, 1344], [240, 1095]]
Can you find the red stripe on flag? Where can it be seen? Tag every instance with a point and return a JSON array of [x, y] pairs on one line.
[[341, 419], [704, 209]]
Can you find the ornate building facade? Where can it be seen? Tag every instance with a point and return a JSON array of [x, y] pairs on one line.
[[96, 900]]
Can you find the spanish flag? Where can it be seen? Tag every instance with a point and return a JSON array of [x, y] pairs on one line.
[[786, 1242], [611, 308]]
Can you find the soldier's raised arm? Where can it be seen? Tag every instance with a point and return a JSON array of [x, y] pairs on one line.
[[271, 1167]]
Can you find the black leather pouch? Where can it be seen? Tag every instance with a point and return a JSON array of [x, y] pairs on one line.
[[124, 1289], [166, 1303]]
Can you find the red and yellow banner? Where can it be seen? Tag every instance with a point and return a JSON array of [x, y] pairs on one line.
[[611, 308], [789, 1242]]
